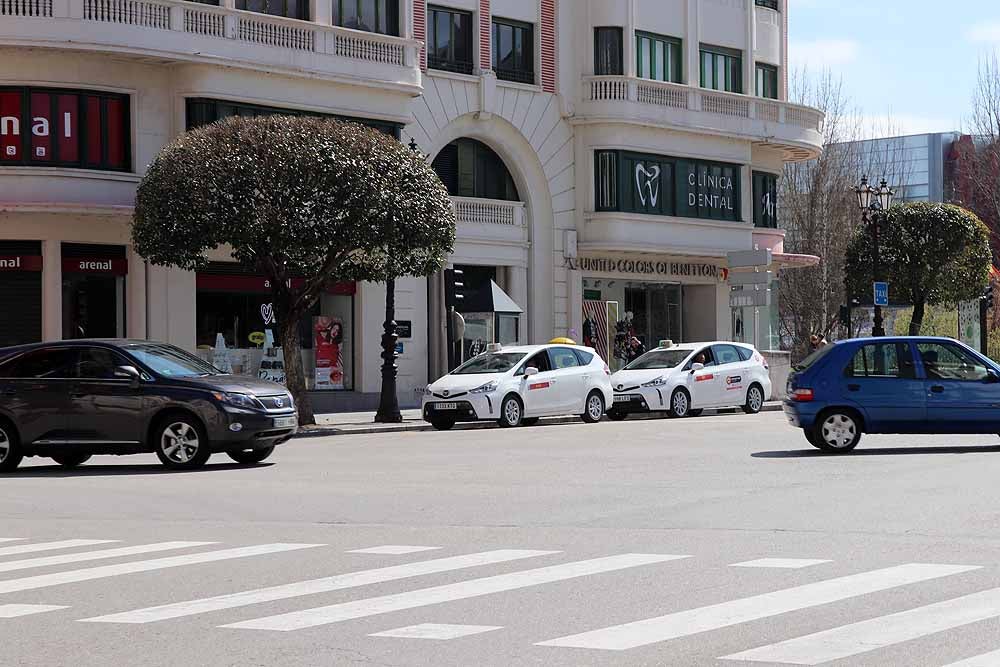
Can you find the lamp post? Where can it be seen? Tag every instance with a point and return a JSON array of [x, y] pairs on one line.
[[872, 201], [388, 403]]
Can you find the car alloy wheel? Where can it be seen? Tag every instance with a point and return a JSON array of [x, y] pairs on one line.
[[679, 404], [6, 447], [510, 412], [595, 408], [755, 400], [839, 432], [180, 442]]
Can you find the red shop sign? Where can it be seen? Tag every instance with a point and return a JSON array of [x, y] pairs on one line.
[[256, 284], [21, 263], [113, 267]]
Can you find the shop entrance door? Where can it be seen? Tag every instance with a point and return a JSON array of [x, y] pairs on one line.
[[93, 289]]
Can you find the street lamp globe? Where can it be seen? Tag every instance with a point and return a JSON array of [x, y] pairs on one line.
[[885, 195], [864, 193]]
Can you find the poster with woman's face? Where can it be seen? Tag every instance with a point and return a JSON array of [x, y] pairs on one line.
[[328, 338]]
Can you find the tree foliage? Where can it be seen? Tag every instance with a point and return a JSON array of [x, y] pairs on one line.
[[311, 199], [929, 254]]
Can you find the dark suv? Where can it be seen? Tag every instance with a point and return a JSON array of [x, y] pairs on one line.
[[72, 399]]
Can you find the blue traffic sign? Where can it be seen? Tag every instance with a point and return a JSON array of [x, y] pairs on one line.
[[881, 294]]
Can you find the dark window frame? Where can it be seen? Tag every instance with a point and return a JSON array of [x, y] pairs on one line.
[[759, 181], [81, 128], [461, 173], [603, 64], [523, 72], [391, 8], [677, 73], [766, 88], [769, 4], [451, 63], [301, 12], [201, 111], [739, 86]]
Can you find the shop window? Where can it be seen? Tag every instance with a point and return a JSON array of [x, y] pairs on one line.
[[49, 127], [608, 52], [721, 69], [767, 81], [20, 292], [379, 16], [514, 51], [470, 168], [658, 57], [93, 290], [201, 111], [765, 197], [290, 9], [449, 40]]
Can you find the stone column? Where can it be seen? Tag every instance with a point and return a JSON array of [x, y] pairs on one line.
[[692, 42], [135, 296], [52, 290]]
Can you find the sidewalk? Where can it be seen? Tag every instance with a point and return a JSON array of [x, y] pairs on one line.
[[356, 423]]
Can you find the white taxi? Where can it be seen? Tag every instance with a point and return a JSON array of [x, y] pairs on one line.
[[519, 384], [683, 380]]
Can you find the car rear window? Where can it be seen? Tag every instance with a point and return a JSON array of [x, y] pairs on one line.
[[584, 357], [812, 358], [744, 352]]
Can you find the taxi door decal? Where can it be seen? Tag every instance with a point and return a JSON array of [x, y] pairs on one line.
[[539, 385], [704, 378]]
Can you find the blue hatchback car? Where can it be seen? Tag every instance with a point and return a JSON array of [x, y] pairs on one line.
[[892, 385]]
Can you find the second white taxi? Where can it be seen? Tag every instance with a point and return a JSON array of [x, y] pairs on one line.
[[683, 380], [519, 384]]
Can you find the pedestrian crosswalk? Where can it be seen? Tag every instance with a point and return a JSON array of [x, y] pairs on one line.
[[459, 578]]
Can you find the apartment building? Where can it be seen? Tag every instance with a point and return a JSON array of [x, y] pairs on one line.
[[603, 155]]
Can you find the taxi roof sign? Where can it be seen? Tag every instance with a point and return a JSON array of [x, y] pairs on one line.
[[494, 347], [666, 343]]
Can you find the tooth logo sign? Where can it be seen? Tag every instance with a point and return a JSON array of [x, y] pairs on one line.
[[647, 182]]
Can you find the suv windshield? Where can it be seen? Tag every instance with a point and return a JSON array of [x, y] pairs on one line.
[[499, 362], [812, 358], [170, 361], [657, 359]]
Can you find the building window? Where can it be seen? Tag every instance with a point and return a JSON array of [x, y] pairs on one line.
[[721, 69], [449, 40], [769, 4], [514, 51], [381, 16], [659, 185], [767, 81], [658, 57], [202, 111], [765, 197], [49, 127], [290, 9], [470, 168], [608, 52]]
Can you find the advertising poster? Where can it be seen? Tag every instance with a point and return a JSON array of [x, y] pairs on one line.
[[328, 341], [272, 366]]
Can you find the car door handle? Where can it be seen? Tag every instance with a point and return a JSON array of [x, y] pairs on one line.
[[937, 389], [854, 387]]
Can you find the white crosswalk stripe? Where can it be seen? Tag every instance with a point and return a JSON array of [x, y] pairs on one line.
[[880, 632], [392, 550], [991, 659], [100, 554], [324, 585], [17, 610], [437, 631], [781, 563], [50, 546], [102, 572], [11, 539], [725, 614], [450, 592]]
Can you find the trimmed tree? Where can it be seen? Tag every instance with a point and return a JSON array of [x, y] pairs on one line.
[[306, 202], [929, 253]]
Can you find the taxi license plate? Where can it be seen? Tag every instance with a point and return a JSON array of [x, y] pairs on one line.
[[446, 406], [623, 399], [285, 422]]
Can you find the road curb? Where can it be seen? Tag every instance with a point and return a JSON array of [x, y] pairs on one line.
[[411, 427]]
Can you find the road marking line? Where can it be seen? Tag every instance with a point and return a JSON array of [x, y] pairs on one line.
[[782, 563], [876, 633], [734, 612], [392, 550], [50, 546], [101, 554], [437, 631], [323, 585], [104, 571], [15, 610], [449, 592], [991, 659], [11, 539]]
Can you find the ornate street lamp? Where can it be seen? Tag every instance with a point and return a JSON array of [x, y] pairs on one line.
[[872, 201]]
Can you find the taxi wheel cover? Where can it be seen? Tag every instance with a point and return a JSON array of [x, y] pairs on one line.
[[511, 412], [680, 403]]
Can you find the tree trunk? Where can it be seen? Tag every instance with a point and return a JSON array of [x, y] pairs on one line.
[[295, 378], [918, 318]]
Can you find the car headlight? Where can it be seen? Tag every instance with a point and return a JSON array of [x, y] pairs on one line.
[[427, 391], [487, 388], [239, 400], [658, 382]]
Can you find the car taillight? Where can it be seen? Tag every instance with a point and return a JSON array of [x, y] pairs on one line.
[[802, 395], [607, 371]]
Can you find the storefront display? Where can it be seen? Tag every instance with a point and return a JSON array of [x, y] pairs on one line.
[[20, 292], [93, 296]]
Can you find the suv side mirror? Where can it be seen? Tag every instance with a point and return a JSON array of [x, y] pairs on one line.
[[128, 373], [696, 367], [530, 370]]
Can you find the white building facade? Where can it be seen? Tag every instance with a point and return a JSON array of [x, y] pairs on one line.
[[604, 156]]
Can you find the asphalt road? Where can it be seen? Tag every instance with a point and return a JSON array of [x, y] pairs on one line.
[[613, 544]]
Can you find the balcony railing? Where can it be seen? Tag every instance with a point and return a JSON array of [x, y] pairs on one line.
[[489, 211], [679, 96], [223, 23]]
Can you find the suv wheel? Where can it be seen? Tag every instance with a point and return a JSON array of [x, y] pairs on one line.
[[838, 431], [250, 455], [71, 459], [511, 412], [594, 409], [10, 449], [181, 443]]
